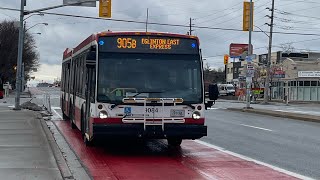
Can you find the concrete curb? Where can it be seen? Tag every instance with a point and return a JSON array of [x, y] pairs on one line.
[[296, 116], [61, 163]]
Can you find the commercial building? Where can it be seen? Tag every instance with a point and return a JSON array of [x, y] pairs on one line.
[[296, 75]]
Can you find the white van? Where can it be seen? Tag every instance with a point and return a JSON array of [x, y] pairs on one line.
[[226, 89]]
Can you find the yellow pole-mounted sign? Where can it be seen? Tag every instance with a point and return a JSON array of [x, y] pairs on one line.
[[246, 16], [105, 8]]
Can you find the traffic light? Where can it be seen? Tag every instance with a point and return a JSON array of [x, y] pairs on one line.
[[246, 16], [105, 8], [226, 59]]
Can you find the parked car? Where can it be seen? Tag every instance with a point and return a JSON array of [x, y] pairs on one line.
[[226, 89]]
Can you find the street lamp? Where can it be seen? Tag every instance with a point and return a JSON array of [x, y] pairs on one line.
[[39, 14], [36, 33], [22, 75], [46, 24]]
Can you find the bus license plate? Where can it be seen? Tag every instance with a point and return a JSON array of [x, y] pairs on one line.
[[177, 113]]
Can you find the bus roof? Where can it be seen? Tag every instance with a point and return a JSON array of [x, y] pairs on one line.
[[67, 53]]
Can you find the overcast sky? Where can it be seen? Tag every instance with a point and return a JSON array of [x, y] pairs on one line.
[[63, 32]]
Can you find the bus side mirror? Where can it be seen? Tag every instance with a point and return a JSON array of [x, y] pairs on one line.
[[213, 92], [213, 95]]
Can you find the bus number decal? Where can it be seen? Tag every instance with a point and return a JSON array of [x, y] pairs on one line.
[[152, 110]]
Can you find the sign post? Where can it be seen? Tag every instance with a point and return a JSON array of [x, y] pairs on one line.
[[249, 58]]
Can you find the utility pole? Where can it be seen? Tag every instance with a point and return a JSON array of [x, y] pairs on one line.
[[19, 60], [190, 31], [249, 79], [267, 81], [147, 20]]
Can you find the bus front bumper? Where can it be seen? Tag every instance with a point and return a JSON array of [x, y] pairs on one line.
[[183, 131]]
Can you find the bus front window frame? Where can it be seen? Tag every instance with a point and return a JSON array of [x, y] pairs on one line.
[[196, 74]]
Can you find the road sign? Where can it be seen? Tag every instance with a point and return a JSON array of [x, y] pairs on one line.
[[250, 73], [86, 3], [105, 8], [249, 59], [250, 70]]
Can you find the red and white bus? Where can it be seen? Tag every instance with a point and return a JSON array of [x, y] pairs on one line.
[[135, 84]]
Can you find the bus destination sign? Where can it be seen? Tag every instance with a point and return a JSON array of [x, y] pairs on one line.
[[148, 44]]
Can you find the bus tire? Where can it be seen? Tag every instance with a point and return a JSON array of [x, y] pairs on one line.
[[82, 121], [174, 142], [64, 116], [88, 143], [73, 126]]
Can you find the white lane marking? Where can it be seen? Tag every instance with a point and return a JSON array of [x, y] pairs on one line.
[[255, 161], [257, 127], [57, 113], [215, 108], [5, 111], [55, 108]]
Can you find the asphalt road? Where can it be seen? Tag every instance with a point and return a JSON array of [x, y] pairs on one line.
[[289, 144]]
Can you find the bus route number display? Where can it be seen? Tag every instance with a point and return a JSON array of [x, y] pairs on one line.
[[148, 44]]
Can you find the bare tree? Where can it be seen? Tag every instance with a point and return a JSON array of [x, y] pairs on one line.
[[287, 48], [9, 35]]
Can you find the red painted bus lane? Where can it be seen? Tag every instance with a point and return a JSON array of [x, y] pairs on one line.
[[155, 160]]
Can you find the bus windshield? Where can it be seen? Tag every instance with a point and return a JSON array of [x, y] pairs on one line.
[[149, 75]]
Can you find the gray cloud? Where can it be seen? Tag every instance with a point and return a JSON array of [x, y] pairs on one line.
[[64, 32]]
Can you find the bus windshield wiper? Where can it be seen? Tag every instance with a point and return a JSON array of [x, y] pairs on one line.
[[151, 92]]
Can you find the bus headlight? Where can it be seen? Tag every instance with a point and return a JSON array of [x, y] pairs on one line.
[[103, 115], [196, 115]]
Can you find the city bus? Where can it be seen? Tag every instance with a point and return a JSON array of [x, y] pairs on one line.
[[135, 84]]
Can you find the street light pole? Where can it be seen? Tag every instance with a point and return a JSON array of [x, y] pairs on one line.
[[21, 41], [19, 60]]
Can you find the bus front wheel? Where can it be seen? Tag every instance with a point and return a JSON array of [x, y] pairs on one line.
[[175, 142]]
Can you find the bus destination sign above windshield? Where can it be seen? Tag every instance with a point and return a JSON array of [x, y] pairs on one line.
[[148, 44]]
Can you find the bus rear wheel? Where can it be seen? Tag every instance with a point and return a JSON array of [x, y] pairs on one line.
[[73, 126], [175, 142], [87, 142]]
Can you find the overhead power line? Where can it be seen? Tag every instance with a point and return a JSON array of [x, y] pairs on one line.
[[166, 24]]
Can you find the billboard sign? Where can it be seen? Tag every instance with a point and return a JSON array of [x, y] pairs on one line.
[[86, 3], [309, 74], [238, 50]]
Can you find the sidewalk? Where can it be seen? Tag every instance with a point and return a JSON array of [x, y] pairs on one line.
[[25, 150], [305, 112]]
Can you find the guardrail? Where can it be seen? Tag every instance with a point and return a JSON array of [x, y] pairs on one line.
[[47, 102]]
